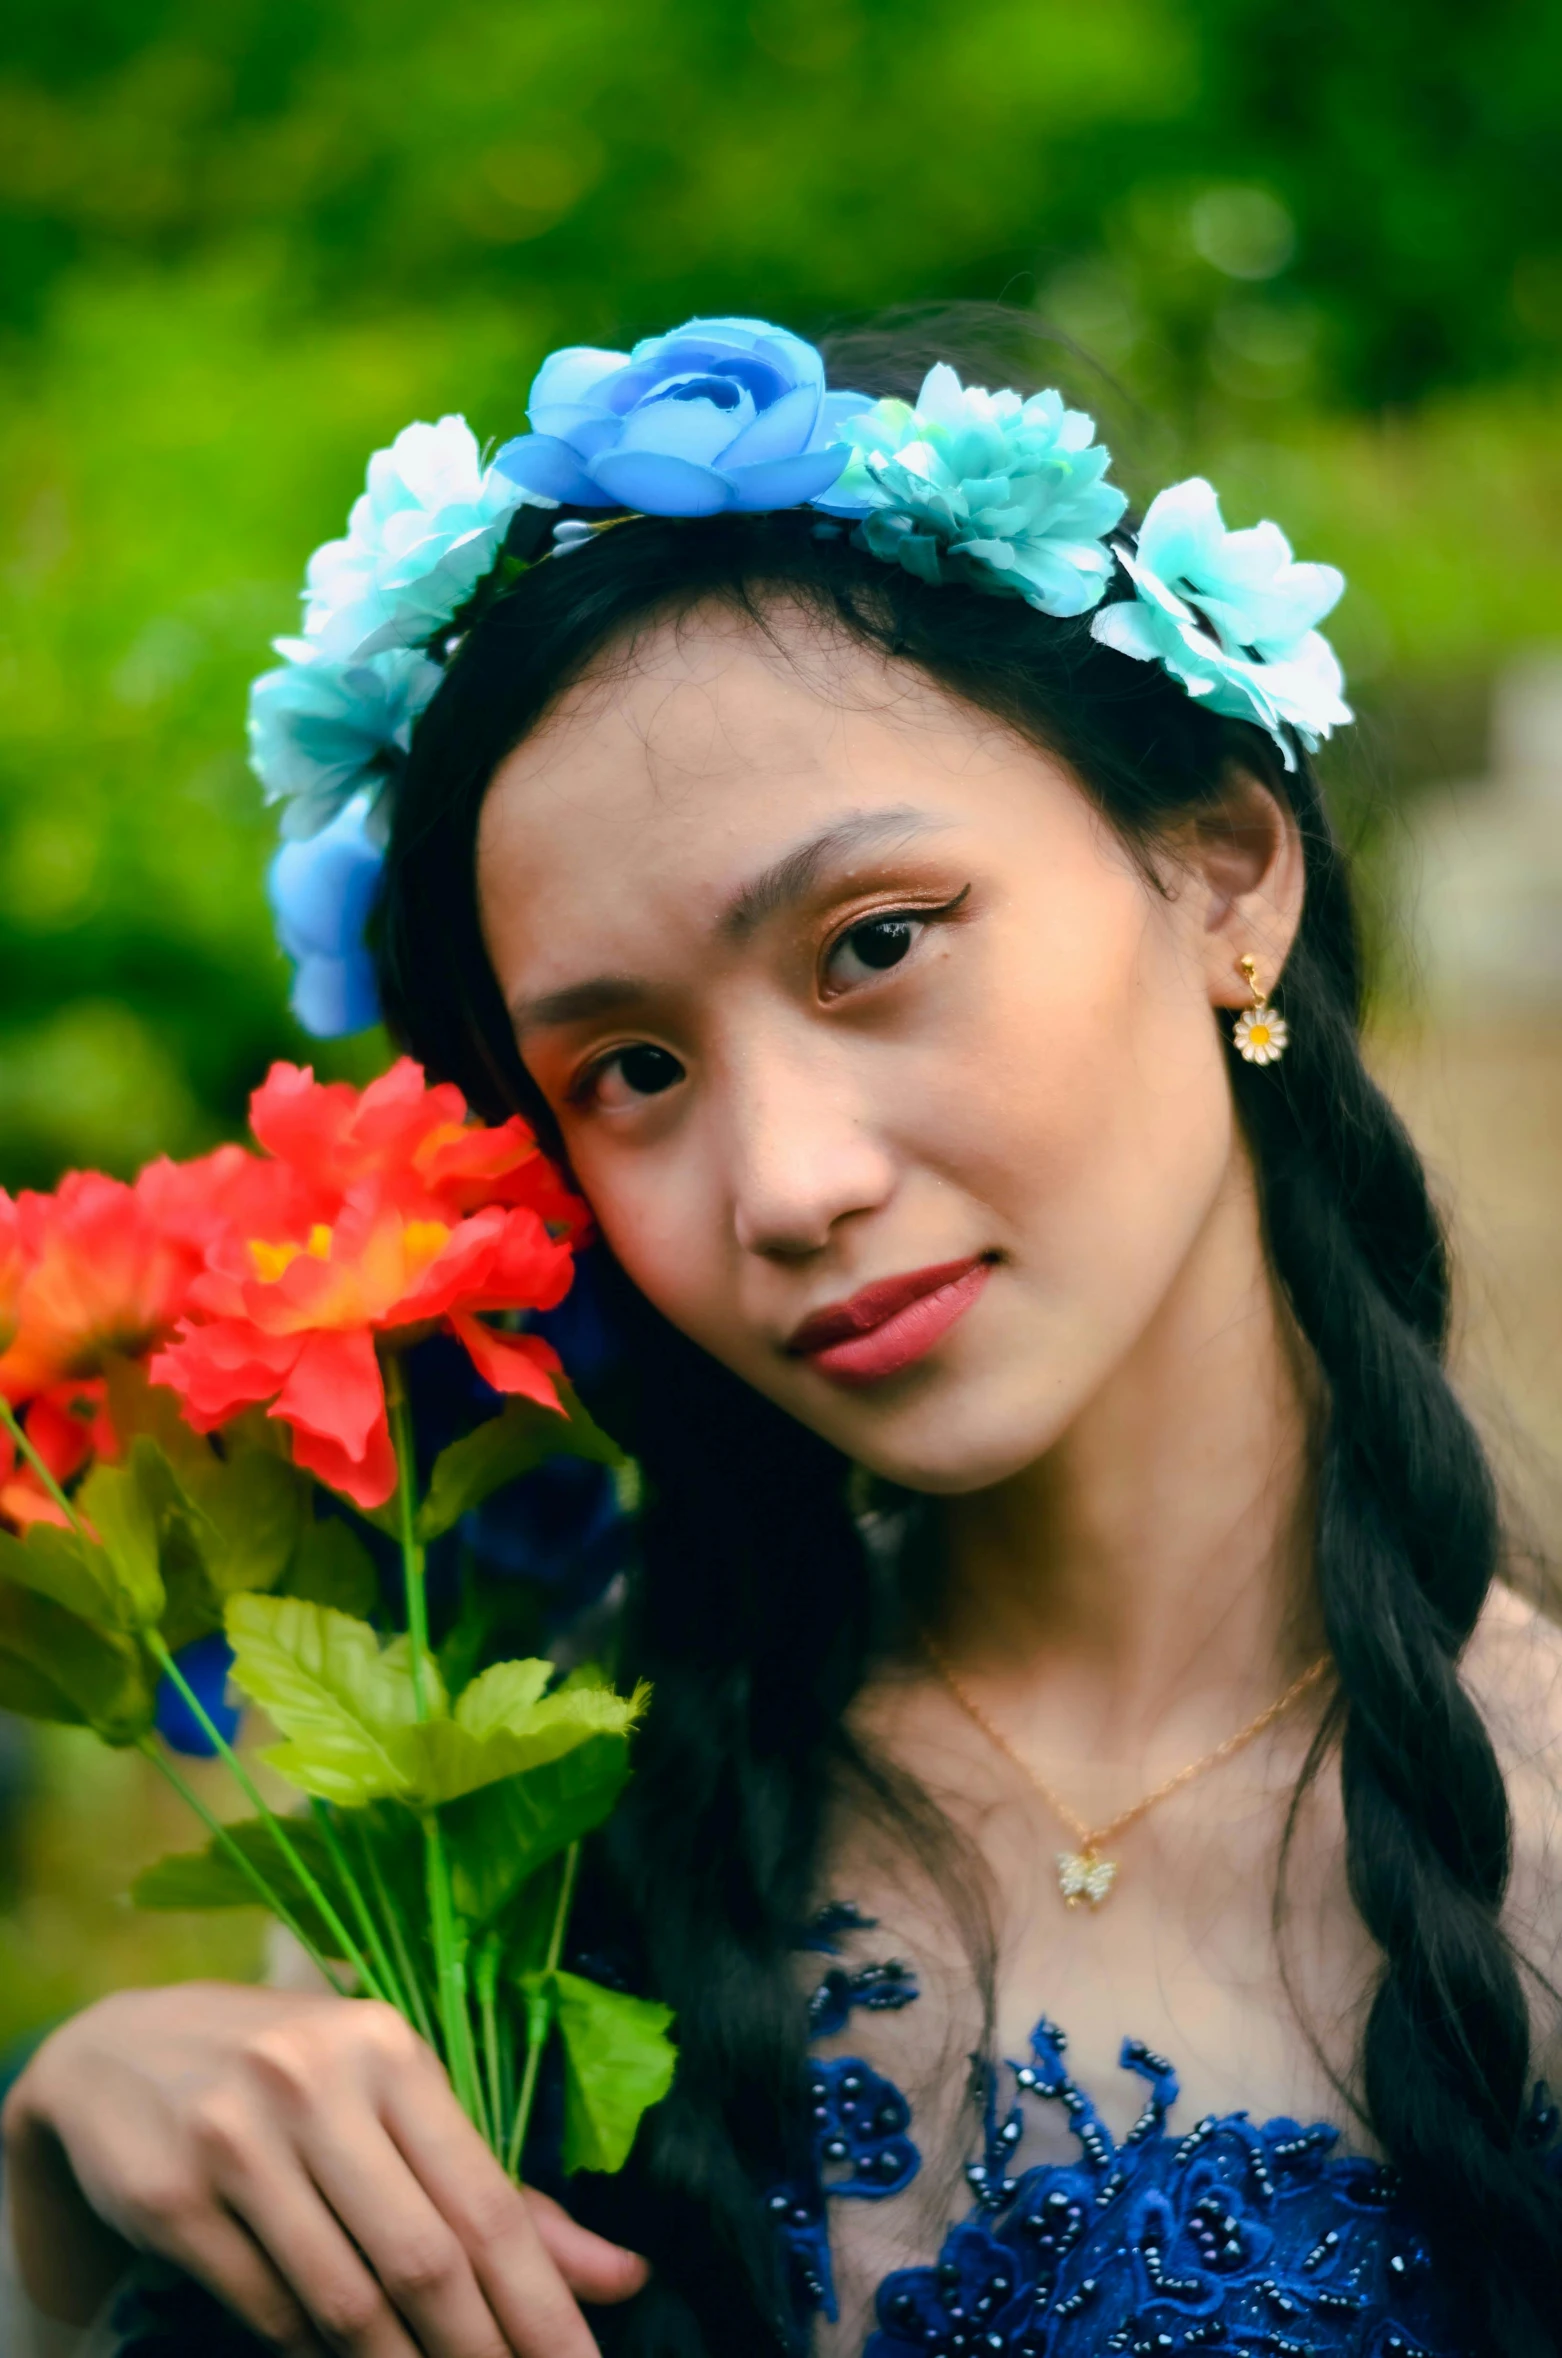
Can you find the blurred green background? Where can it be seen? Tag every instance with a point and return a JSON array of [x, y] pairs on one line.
[[241, 245]]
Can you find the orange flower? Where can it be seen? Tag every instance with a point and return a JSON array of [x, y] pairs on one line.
[[294, 1314], [12, 1265], [68, 1426], [106, 1268], [418, 1142]]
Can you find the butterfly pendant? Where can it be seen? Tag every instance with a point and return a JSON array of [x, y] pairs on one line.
[[1084, 1877]]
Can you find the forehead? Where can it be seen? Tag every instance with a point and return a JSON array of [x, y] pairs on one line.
[[713, 742]]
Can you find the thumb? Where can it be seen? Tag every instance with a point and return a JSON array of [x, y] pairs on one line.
[[594, 2269]]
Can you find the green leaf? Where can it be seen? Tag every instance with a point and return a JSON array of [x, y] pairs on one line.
[[59, 1564], [500, 1835], [618, 2061], [139, 1407], [204, 1879], [251, 1509], [498, 1731], [344, 1702], [331, 1566], [54, 1665], [513, 1443], [116, 1500]]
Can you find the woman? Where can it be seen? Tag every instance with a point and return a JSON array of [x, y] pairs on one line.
[[1068, 1582]]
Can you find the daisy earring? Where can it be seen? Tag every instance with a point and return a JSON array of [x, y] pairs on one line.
[[1259, 1035]]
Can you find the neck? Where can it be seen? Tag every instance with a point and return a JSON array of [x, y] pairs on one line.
[[1158, 1554]]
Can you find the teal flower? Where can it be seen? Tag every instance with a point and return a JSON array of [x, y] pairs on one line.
[[988, 488], [321, 732], [419, 540], [1231, 615]]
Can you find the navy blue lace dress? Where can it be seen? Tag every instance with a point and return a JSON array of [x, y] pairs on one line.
[[1243, 2238]]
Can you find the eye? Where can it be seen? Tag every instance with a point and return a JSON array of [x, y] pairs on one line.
[[629, 1075], [873, 946]]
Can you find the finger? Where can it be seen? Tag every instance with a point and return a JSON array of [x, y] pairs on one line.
[[413, 2249], [219, 2253], [493, 2219], [593, 2268], [285, 2213]]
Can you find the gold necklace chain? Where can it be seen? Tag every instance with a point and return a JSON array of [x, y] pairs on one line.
[[1084, 1875]]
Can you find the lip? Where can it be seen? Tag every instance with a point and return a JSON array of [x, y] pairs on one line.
[[890, 1324]]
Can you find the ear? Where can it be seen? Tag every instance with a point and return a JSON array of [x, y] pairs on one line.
[[1245, 872]]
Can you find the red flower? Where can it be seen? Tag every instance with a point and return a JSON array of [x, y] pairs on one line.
[[68, 1427], [417, 1142], [12, 1266], [292, 1313], [106, 1268]]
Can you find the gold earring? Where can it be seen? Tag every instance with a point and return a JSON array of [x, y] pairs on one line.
[[1259, 1035]]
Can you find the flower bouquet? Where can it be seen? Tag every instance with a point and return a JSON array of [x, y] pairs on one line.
[[209, 1479]]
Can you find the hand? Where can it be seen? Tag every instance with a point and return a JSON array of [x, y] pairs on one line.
[[302, 2156]]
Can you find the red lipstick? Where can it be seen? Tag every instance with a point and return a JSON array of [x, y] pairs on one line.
[[890, 1324]]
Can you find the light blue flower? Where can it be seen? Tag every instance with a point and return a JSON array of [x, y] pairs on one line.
[[323, 889], [419, 540], [1231, 615], [321, 732], [986, 488], [717, 414]]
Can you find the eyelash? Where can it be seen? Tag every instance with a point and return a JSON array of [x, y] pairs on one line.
[[901, 916], [582, 1090]]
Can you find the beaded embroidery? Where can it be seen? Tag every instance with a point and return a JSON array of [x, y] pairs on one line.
[[1239, 2238]]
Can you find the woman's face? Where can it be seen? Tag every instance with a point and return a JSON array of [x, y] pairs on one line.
[[890, 1078]]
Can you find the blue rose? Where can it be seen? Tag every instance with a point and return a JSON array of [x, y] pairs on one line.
[[323, 889], [720, 413]]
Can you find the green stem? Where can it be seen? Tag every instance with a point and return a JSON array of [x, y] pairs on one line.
[[411, 1973], [539, 2012], [13, 1425], [157, 1647], [373, 1940], [488, 2009], [449, 1957], [246, 1866]]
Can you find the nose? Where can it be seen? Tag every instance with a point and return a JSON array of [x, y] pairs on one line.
[[803, 1156]]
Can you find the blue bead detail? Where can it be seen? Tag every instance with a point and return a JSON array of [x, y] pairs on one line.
[[1242, 2238]]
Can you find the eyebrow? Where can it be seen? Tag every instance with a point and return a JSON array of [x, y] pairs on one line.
[[788, 880], [604, 994], [780, 886]]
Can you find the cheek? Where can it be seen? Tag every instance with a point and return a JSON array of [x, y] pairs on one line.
[[666, 1230]]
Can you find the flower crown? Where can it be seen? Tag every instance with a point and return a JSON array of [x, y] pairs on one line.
[[1006, 494]]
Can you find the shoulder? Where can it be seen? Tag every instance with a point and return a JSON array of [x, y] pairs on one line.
[[1512, 1668]]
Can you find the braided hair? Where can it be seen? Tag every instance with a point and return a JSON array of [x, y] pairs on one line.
[[752, 1608]]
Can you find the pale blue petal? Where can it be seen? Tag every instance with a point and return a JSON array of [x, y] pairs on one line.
[[836, 410], [656, 485], [542, 464], [1129, 629], [784, 482], [569, 380], [779, 432], [323, 890], [694, 430], [332, 997]]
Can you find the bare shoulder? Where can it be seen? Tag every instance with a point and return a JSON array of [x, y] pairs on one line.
[[1513, 1669]]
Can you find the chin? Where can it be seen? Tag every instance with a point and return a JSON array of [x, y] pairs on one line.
[[946, 1448]]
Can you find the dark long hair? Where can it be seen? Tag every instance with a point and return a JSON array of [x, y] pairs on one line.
[[752, 1613]]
